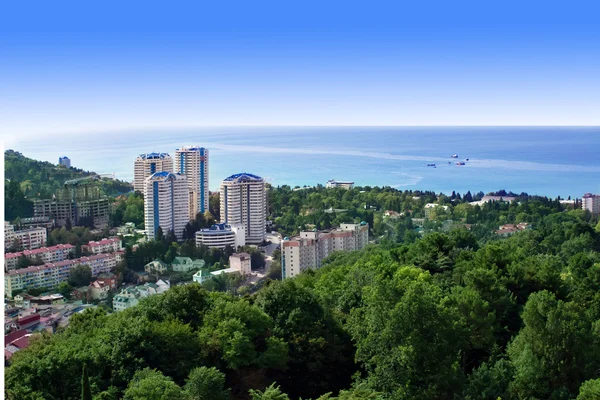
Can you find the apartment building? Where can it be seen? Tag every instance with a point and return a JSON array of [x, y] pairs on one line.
[[244, 203], [103, 246], [149, 164], [52, 274], [307, 250], [241, 262], [28, 239], [166, 204], [591, 203], [52, 254], [192, 161], [221, 236], [66, 161]]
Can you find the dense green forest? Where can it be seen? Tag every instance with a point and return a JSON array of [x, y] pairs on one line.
[[27, 179], [455, 314]]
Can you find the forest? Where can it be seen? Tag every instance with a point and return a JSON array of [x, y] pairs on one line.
[[456, 313]]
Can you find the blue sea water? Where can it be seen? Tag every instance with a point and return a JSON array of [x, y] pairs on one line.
[[552, 161]]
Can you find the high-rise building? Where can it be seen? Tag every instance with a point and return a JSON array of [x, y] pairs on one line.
[[148, 164], [166, 204], [66, 161], [308, 250], [192, 161], [591, 203], [243, 202]]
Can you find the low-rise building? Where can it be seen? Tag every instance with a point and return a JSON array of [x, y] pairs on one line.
[[99, 289], [222, 235], [60, 252], [186, 264], [341, 184], [509, 229], [202, 276], [103, 246], [28, 239], [52, 274], [310, 248], [241, 262], [131, 296], [156, 267]]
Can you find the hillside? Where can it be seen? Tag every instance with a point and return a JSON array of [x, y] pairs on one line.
[[27, 179]]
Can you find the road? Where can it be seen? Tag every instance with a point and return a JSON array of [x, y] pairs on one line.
[[260, 273]]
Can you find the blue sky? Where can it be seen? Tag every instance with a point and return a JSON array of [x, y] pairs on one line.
[[75, 67]]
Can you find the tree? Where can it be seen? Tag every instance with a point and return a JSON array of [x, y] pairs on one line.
[[271, 393], [86, 391], [80, 275], [149, 384], [68, 225], [589, 390], [207, 384], [65, 289], [159, 235]]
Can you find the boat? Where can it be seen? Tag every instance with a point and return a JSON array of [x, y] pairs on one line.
[[454, 156], [449, 162], [460, 163], [431, 165], [467, 159]]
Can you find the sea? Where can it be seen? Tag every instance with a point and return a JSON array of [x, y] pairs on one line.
[[549, 161]]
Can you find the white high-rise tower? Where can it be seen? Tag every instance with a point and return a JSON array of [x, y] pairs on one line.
[[192, 161], [166, 204], [243, 202], [148, 164]]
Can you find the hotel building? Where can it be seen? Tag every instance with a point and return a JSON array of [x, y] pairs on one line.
[[591, 203], [221, 235], [308, 250], [148, 164], [192, 161], [166, 204], [244, 202], [341, 184]]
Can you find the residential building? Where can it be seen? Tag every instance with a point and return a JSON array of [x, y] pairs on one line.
[[33, 222], [591, 203], [80, 201], [156, 267], [307, 250], [221, 236], [241, 263], [202, 276], [244, 202], [166, 202], [431, 206], [487, 199], [52, 274], [28, 239], [148, 164], [52, 254], [186, 264], [99, 290], [64, 160], [103, 246], [192, 161], [509, 229], [131, 296], [341, 184]]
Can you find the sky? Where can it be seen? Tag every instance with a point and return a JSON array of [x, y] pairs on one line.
[[72, 67]]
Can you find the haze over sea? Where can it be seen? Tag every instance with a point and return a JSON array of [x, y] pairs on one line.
[[551, 161]]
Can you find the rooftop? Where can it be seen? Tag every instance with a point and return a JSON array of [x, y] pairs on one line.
[[154, 156], [166, 175], [243, 177]]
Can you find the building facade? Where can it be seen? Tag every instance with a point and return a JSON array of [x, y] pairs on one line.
[[166, 204], [221, 236], [244, 203], [307, 250], [103, 246], [591, 203], [192, 161], [60, 252], [148, 164], [341, 184], [241, 262], [66, 161], [52, 274]]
